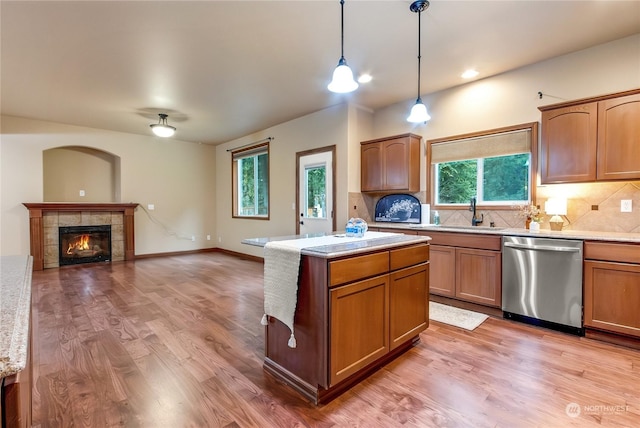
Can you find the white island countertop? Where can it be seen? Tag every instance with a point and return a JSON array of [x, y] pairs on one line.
[[338, 245]]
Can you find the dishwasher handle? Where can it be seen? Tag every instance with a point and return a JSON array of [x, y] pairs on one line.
[[542, 247]]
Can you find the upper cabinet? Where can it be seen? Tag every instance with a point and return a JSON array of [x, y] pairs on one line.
[[592, 139], [391, 164]]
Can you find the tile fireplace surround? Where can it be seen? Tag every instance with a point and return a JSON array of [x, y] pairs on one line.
[[45, 218]]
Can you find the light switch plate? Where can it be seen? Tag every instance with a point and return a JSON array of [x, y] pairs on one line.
[[625, 206]]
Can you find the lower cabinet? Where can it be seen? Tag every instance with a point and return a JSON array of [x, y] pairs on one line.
[[370, 318], [478, 276], [442, 275], [408, 304], [612, 287], [359, 326], [466, 267]]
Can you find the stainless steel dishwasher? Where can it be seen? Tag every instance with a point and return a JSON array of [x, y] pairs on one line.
[[542, 282]]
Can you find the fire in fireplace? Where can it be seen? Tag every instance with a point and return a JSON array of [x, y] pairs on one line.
[[84, 244]]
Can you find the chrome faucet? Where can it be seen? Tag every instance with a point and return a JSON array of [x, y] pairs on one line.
[[474, 219]]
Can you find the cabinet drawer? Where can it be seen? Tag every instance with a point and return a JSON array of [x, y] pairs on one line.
[[360, 267], [607, 251], [466, 240], [408, 256]]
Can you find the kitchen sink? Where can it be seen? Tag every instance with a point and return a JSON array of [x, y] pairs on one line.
[[433, 226], [473, 227]]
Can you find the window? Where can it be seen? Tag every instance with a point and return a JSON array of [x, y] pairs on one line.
[[250, 171], [496, 167]]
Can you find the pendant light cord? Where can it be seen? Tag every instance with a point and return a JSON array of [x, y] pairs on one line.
[[419, 49], [342, 29]]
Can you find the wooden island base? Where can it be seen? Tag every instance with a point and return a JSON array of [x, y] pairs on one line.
[[355, 312], [319, 395]]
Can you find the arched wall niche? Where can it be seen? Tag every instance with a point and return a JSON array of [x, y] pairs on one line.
[[69, 171]]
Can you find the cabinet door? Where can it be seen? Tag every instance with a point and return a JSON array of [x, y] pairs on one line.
[[478, 276], [359, 328], [408, 303], [619, 138], [612, 297], [442, 270], [371, 167], [569, 143], [396, 164]]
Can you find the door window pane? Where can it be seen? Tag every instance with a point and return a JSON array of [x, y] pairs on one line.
[[316, 192]]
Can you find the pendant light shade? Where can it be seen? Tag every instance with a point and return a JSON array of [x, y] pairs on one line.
[[162, 128], [419, 110], [342, 81]]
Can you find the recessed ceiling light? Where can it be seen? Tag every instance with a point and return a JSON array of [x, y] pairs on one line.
[[364, 78], [468, 74]]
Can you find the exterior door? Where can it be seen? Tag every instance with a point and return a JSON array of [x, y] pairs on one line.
[[316, 187]]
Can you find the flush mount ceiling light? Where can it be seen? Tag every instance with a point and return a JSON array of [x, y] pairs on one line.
[[162, 128], [419, 110], [469, 74], [342, 81]]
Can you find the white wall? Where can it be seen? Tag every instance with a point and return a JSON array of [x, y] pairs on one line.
[[320, 129], [177, 177], [512, 98]]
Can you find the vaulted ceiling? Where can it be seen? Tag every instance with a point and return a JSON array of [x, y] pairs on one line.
[[224, 69]]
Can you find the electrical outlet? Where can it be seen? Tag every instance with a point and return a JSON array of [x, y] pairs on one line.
[[219, 238], [82, 193], [208, 237], [193, 238], [151, 207], [625, 206]]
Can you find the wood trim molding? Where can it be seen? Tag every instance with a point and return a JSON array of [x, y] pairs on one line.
[[36, 226]]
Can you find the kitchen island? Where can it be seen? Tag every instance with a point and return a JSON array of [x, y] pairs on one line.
[[361, 302]]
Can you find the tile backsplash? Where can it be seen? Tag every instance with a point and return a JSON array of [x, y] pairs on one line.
[[590, 207]]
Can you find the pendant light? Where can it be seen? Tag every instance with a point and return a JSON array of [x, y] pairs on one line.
[[342, 81], [419, 110], [162, 128]]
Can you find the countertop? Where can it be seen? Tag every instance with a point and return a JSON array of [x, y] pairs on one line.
[[338, 245], [543, 233], [15, 306]]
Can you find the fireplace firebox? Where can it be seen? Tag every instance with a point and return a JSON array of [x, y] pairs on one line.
[[84, 244]]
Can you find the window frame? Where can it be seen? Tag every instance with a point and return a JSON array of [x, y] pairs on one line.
[[532, 127], [253, 150]]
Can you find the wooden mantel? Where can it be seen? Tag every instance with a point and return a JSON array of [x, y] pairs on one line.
[[36, 226]]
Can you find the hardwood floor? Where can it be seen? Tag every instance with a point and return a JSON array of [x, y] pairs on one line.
[[177, 342]]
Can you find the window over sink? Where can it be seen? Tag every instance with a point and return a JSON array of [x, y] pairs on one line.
[[496, 166]]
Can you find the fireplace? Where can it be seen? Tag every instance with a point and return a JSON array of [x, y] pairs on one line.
[[84, 244]]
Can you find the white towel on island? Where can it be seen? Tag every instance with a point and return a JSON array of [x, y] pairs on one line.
[[281, 268]]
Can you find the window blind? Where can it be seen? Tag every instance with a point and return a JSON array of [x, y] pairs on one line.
[[503, 144]]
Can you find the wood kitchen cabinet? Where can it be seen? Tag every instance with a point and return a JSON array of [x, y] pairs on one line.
[[466, 267], [591, 140], [354, 313], [390, 164], [359, 326], [612, 287]]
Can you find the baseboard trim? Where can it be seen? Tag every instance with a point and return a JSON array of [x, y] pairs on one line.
[[175, 253], [201, 251]]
